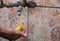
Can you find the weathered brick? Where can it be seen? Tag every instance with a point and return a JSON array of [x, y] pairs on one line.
[[7, 1], [38, 13], [52, 3], [52, 12], [13, 1], [12, 13], [48, 3], [12, 23], [55, 33], [3, 10], [39, 2], [5, 23], [32, 24], [53, 15], [43, 33], [56, 3]]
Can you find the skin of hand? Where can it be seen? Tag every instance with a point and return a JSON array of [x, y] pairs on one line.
[[10, 33]]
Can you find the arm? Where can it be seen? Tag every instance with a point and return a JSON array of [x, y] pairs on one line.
[[10, 34]]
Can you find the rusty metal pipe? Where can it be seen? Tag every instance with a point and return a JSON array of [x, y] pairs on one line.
[[11, 5]]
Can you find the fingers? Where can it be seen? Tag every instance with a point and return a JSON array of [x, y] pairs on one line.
[[23, 30], [10, 33], [22, 33]]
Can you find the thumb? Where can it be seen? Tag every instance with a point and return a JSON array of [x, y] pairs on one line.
[[20, 33], [23, 34]]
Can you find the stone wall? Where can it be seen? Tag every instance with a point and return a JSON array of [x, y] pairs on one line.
[[44, 23]]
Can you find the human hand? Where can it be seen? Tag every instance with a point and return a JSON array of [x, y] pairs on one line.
[[11, 34]]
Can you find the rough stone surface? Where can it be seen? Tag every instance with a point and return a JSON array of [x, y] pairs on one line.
[[55, 33], [44, 23]]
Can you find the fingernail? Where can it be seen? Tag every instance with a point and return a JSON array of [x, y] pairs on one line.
[[25, 35]]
